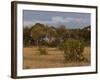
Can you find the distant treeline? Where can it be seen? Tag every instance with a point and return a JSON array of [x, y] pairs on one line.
[[51, 36]]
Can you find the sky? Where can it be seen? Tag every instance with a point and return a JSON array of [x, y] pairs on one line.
[[53, 18]]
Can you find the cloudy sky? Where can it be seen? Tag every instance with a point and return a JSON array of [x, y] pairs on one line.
[[52, 18]]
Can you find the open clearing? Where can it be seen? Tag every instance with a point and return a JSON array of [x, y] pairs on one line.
[[55, 58]]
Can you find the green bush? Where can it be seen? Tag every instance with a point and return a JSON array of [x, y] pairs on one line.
[[73, 50], [43, 50]]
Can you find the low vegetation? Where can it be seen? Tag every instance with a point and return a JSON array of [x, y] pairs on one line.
[[73, 50], [42, 50]]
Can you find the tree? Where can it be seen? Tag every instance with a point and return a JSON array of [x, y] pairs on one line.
[[61, 31], [26, 36], [85, 35], [38, 32], [51, 33]]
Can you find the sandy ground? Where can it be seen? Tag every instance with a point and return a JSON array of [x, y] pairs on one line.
[[54, 59]]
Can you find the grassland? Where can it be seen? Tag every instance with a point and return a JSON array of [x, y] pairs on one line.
[[32, 59]]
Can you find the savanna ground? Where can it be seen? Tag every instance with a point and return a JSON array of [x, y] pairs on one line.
[[55, 58]]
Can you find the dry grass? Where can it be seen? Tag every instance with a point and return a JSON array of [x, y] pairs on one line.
[[55, 58]]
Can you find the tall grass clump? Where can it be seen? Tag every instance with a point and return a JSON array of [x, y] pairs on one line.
[[73, 50], [42, 50]]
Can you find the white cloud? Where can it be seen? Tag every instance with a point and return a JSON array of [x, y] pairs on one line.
[[29, 23], [55, 20], [65, 19], [59, 19]]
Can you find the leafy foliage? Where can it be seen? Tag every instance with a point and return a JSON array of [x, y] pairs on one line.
[[73, 50], [41, 34], [26, 36]]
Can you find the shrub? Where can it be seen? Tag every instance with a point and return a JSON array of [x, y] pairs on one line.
[[73, 50], [42, 50]]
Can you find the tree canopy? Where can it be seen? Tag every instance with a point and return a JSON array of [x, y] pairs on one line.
[[39, 33]]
